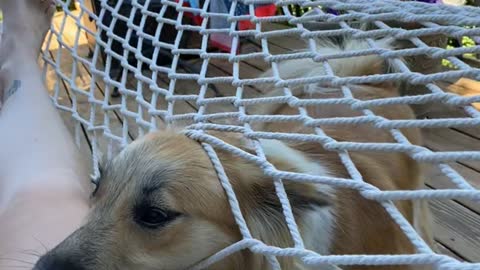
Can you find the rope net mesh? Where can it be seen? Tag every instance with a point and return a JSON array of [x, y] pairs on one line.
[[164, 63]]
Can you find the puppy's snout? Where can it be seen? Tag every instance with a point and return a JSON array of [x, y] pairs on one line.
[[55, 262]]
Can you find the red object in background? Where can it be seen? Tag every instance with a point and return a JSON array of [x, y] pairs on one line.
[[223, 42], [197, 19], [261, 11]]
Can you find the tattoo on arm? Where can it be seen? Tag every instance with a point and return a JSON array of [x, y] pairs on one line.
[[12, 90]]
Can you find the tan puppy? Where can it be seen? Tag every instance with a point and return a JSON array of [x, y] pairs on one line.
[[160, 204]]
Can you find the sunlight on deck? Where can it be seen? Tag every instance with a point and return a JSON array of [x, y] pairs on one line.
[[69, 30]]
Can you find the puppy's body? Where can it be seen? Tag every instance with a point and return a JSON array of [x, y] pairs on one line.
[[361, 226], [160, 204]]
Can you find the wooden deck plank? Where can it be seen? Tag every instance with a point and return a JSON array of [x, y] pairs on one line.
[[255, 46], [179, 107], [440, 248], [221, 68], [440, 110], [435, 179], [441, 139], [80, 100], [224, 68], [276, 45], [467, 88], [470, 131], [191, 87], [288, 42], [458, 228], [100, 86], [82, 82], [83, 143], [443, 111]]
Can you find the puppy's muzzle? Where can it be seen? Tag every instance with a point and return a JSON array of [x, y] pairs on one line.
[[56, 262]]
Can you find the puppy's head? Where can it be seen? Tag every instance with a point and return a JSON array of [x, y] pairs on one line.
[[159, 205]]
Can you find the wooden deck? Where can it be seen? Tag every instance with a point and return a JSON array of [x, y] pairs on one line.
[[457, 222]]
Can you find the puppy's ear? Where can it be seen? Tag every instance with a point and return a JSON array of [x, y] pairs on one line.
[[301, 195], [249, 177], [282, 152], [261, 205]]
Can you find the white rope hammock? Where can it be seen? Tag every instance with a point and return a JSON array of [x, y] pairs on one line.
[[110, 66]]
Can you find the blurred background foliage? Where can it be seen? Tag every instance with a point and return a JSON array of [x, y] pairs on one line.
[[464, 41]]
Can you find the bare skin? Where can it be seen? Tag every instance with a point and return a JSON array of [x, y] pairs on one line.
[[44, 186]]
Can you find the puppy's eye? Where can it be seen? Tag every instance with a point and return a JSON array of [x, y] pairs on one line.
[[153, 217]]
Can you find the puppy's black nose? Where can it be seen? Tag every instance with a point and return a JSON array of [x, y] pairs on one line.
[[55, 262]]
